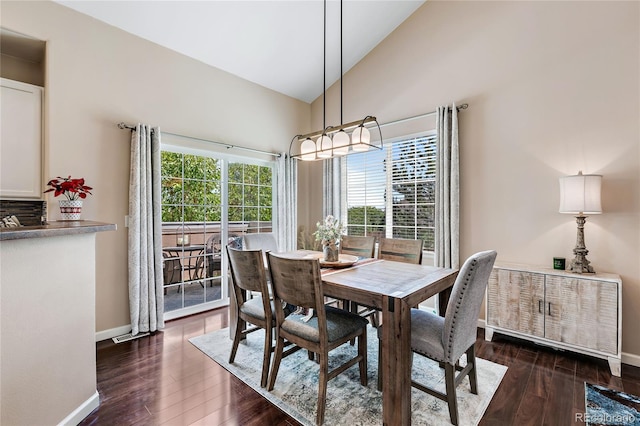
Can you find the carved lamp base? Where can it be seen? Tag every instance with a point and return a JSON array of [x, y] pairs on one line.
[[580, 264]]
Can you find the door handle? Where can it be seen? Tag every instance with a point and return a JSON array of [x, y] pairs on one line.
[[540, 306], [549, 309]]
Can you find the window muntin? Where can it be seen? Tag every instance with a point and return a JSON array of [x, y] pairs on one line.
[[391, 193]]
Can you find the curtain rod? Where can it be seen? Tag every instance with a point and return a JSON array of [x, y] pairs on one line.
[[228, 146], [402, 120]]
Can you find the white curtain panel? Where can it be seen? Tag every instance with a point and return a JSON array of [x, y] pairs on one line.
[[146, 302], [286, 202], [447, 244], [331, 184]]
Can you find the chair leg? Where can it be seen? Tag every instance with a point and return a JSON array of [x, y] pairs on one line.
[[450, 381], [362, 351], [266, 358], [276, 363], [473, 377], [236, 340], [322, 387], [379, 365]]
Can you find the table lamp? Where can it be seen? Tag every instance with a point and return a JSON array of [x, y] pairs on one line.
[[580, 195]]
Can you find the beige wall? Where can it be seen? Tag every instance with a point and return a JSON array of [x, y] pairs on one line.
[[553, 88], [98, 76], [48, 350]]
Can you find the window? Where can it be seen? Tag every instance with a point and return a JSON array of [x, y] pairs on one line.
[[391, 193], [208, 202]]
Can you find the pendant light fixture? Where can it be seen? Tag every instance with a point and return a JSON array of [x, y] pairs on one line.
[[334, 141]]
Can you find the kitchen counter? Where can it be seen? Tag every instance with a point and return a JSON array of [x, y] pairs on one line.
[[47, 312], [55, 229]]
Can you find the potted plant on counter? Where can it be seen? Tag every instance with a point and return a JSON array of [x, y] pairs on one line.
[[74, 191]]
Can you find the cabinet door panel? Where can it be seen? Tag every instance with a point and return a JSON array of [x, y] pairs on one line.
[[21, 140], [515, 301], [582, 312]]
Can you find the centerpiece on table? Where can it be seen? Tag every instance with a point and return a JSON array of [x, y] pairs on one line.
[[329, 232], [74, 191]]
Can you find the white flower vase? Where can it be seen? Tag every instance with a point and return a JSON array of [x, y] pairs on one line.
[[70, 209]]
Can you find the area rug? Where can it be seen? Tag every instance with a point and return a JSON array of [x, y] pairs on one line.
[[348, 403], [609, 407]]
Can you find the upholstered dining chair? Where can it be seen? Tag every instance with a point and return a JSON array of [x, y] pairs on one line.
[[248, 275], [400, 250], [298, 282], [357, 245], [263, 241], [445, 339]]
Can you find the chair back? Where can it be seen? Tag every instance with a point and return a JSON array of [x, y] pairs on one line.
[[358, 246], [248, 274], [171, 269], [297, 282], [400, 250], [266, 242], [463, 309]]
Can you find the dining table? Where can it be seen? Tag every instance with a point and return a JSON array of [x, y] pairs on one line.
[[393, 288]]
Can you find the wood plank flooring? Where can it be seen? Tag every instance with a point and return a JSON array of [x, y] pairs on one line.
[[164, 380]]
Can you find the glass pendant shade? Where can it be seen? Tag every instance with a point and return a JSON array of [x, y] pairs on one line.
[[340, 143], [360, 139], [308, 150], [323, 145]]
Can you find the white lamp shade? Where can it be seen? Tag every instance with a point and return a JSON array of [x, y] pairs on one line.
[[360, 139], [340, 143], [323, 145], [308, 150], [580, 194]]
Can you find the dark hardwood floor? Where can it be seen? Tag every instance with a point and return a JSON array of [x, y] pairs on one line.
[[164, 379]]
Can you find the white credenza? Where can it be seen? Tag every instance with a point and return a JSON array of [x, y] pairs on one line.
[[576, 312], [20, 140]]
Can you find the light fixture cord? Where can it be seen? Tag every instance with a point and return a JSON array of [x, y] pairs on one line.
[[341, 63], [324, 72]]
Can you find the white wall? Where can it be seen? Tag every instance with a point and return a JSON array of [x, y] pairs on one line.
[[553, 88], [98, 76]]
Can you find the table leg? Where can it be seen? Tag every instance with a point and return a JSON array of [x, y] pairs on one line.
[[443, 300], [396, 359]]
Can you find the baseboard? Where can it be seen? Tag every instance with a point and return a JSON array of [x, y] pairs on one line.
[[631, 359], [112, 332], [627, 358], [82, 411]]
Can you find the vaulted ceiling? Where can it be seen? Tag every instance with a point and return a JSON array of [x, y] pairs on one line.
[[276, 44]]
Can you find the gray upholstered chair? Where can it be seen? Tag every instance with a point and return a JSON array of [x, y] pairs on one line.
[[446, 339], [400, 250], [248, 275], [263, 241], [358, 246], [298, 282]]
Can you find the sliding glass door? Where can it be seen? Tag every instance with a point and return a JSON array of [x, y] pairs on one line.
[[208, 202]]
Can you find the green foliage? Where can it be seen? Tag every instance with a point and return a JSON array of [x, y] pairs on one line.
[[366, 220], [192, 190]]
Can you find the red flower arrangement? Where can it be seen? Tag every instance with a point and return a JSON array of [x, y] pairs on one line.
[[71, 188]]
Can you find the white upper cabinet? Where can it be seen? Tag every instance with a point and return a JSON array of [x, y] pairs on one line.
[[20, 140]]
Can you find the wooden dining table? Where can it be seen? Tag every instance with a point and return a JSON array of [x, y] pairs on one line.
[[393, 288]]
